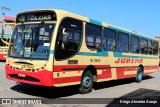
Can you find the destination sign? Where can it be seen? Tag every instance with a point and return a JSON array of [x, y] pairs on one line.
[[36, 16]]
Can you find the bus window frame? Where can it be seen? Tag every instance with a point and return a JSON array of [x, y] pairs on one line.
[[34, 23], [58, 24], [118, 32], [153, 48], [101, 36], [138, 44], [115, 38], [147, 46]]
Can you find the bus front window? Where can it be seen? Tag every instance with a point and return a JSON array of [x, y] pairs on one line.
[[31, 41]]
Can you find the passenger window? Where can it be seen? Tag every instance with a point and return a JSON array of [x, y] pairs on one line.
[[123, 42], [69, 38], [155, 48], [144, 46], [134, 44], [93, 37], [109, 39]]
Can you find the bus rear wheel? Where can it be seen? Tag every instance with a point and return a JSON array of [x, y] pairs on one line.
[[86, 82], [139, 74]]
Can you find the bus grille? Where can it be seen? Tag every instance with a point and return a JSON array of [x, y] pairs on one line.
[[28, 78]]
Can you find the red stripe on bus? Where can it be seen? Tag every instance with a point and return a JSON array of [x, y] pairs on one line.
[[2, 56], [76, 67], [151, 67], [66, 80], [61, 67], [120, 71], [106, 73]]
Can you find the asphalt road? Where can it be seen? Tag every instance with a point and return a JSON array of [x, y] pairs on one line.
[[148, 88]]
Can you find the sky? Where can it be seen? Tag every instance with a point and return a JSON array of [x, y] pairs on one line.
[[142, 16]]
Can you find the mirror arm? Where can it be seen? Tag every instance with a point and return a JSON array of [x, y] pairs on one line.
[[5, 42]]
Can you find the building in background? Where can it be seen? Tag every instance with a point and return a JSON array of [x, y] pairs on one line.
[[158, 38]]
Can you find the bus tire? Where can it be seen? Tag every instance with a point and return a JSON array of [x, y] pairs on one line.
[[139, 74], [86, 82]]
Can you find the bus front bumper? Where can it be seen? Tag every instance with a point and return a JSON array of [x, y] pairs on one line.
[[42, 78]]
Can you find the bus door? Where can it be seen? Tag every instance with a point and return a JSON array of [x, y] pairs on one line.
[[68, 43]]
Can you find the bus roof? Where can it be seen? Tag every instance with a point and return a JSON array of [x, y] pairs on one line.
[[83, 18]]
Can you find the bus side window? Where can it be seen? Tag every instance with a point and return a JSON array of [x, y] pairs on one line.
[[150, 48], [93, 37], [123, 42], [134, 44], [155, 48], [143, 46], [109, 38]]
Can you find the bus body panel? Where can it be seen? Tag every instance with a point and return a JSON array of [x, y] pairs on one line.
[[43, 77], [3, 53], [109, 65], [64, 75]]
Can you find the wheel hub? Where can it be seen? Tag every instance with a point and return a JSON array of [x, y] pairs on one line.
[[86, 82]]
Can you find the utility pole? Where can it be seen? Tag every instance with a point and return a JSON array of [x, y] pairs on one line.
[[3, 17]]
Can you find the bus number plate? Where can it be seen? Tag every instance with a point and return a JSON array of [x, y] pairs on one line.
[[21, 75]]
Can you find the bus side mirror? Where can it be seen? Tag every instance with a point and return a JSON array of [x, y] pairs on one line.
[[5, 42]]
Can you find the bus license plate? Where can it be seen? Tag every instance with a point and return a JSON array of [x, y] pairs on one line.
[[21, 75]]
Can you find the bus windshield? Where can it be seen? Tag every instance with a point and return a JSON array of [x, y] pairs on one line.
[[31, 41]]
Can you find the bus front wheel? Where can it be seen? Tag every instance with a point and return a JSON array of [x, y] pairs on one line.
[[86, 82], [139, 74]]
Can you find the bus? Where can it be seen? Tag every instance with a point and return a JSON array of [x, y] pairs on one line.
[[58, 48], [4, 46], [5, 38]]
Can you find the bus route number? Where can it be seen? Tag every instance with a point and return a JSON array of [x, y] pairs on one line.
[[95, 60]]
